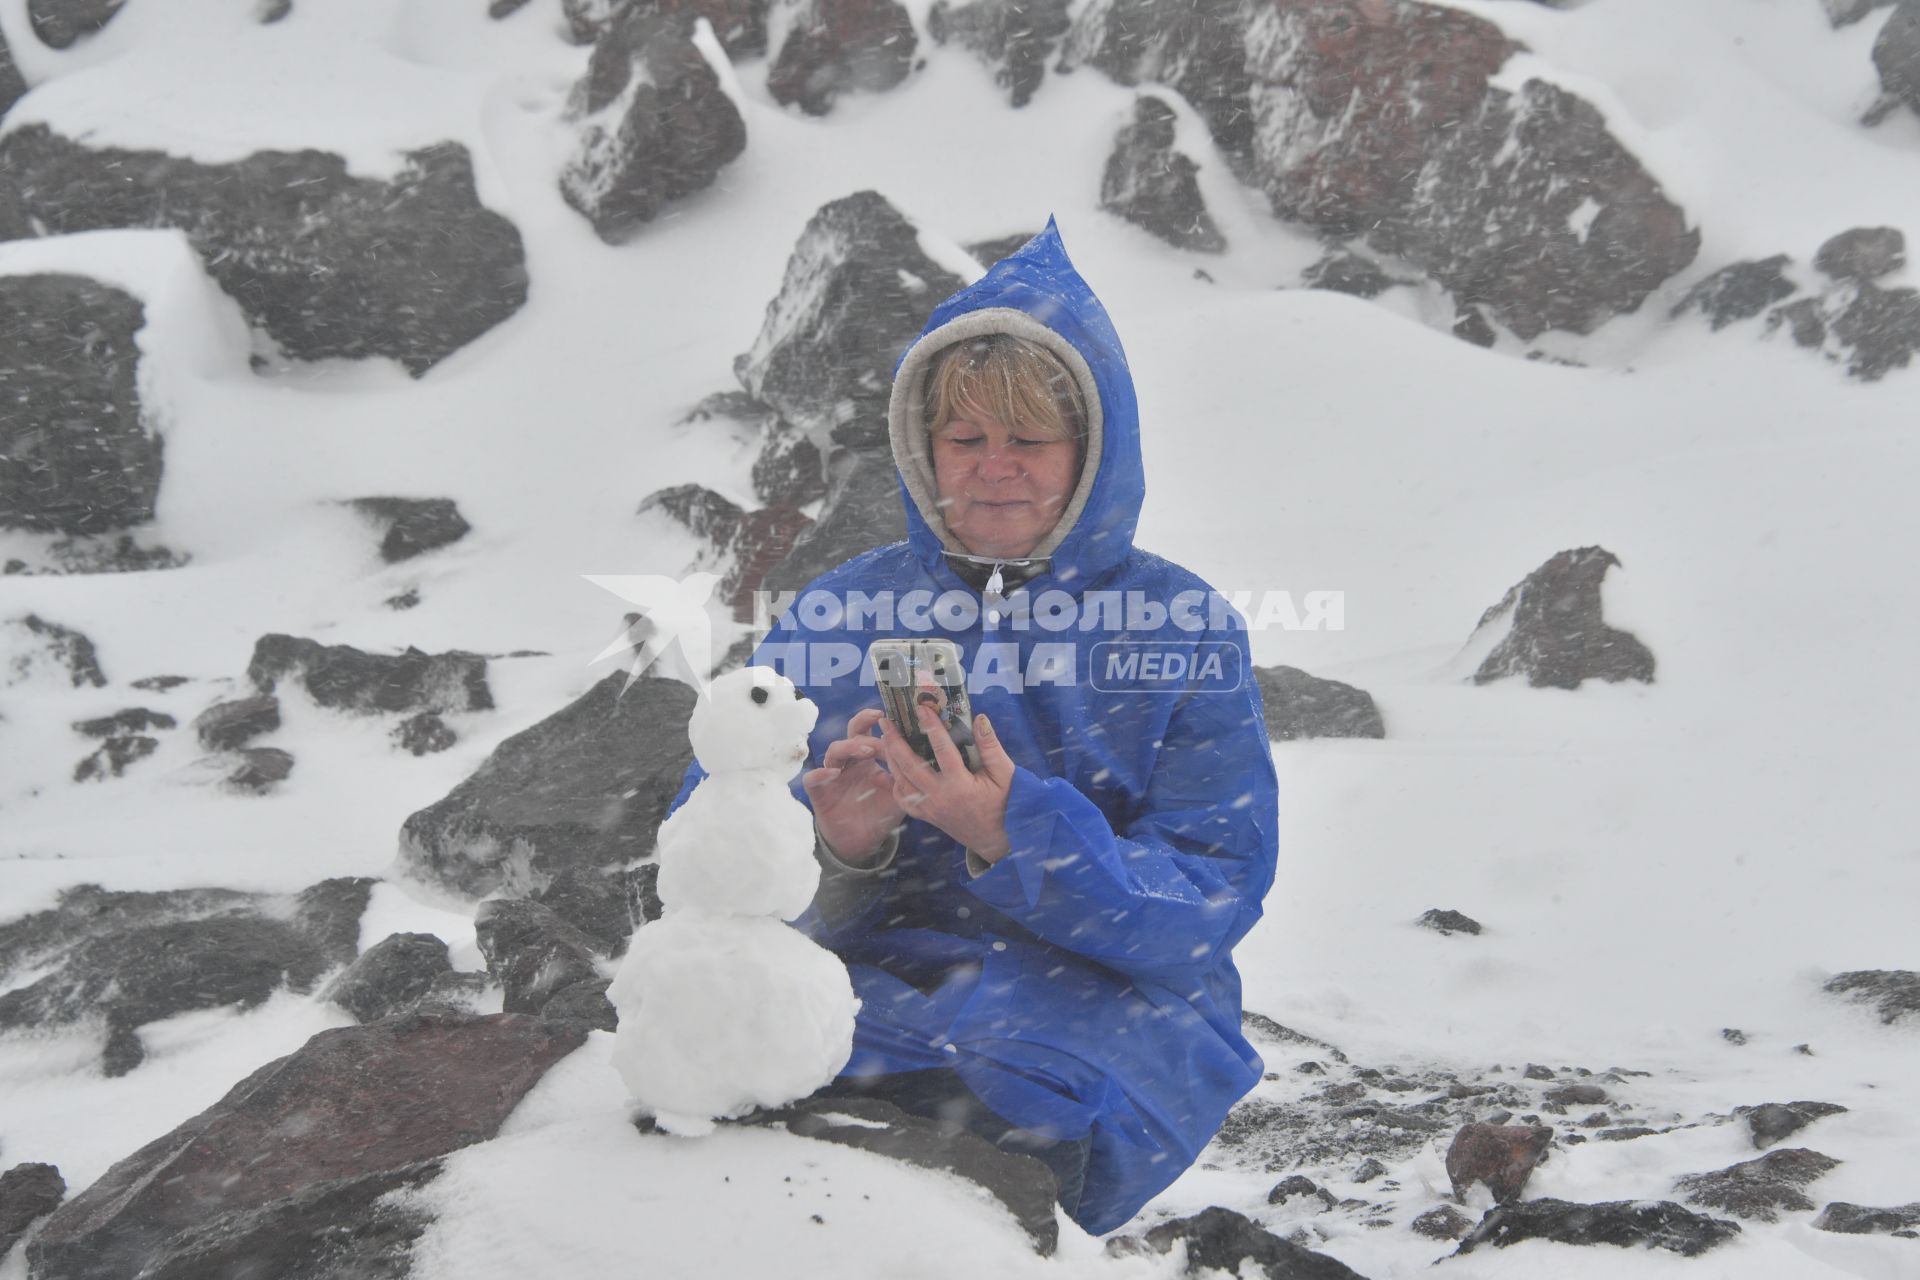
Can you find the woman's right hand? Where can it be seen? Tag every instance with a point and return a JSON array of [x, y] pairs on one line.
[[852, 792]]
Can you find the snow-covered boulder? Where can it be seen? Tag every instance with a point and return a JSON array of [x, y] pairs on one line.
[[284, 1172], [532, 954], [742, 546], [60, 23], [1016, 38], [412, 526], [1896, 55], [110, 329], [123, 960], [1625, 1224], [1298, 705], [124, 737], [1739, 291], [1759, 1190], [1153, 185], [654, 124], [34, 650], [1518, 199], [584, 789], [390, 976], [829, 48], [1549, 628], [1863, 253], [27, 1192], [1219, 1241]]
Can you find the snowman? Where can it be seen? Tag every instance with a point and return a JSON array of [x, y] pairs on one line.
[[723, 1007]]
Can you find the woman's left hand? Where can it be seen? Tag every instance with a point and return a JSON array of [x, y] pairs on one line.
[[970, 807]]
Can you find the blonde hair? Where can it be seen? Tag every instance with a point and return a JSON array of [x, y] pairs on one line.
[[1017, 382]]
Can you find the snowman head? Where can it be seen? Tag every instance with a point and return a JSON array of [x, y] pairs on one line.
[[752, 718]]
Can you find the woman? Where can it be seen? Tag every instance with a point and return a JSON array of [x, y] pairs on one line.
[[1042, 947]]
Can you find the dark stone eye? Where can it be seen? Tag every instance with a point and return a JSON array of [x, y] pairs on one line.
[[797, 695], [759, 695]]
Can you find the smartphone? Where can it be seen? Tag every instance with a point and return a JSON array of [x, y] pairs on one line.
[[913, 673]]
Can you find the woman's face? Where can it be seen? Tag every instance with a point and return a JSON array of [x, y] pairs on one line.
[[1002, 488]]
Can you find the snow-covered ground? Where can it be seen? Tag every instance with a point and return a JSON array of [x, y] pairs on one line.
[[1654, 864]]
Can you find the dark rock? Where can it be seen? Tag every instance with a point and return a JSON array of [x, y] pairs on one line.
[[764, 539], [329, 264], [1759, 1189], [1369, 1170], [989, 252], [1733, 1035], [113, 757], [456, 992], [1155, 187], [97, 553], [1260, 1027], [1470, 324], [423, 734], [390, 976], [1806, 321], [1843, 13], [1443, 1223], [350, 1104], [59, 23], [230, 725], [79, 453], [1577, 1095], [698, 510], [1014, 37], [1739, 292], [27, 1192], [532, 953], [1502, 1156], [1349, 273], [1022, 1183], [1858, 1220], [131, 720], [606, 906], [329, 912], [50, 645], [1882, 326], [1297, 1185], [1625, 1133], [1896, 54], [408, 599], [834, 47], [159, 684], [585, 788], [1520, 201], [588, 19], [1863, 253], [1625, 1223], [856, 293], [1448, 923], [1776, 1121], [412, 526], [1557, 637], [153, 971], [1534, 1071], [789, 471], [1895, 991], [260, 769], [343, 1229], [269, 12], [654, 124], [862, 512], [344, 678], [1221, 1240], [1298, 705], [584, 1002]]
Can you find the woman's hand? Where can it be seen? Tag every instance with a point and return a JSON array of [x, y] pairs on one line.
[[970, 807], [853, 798]]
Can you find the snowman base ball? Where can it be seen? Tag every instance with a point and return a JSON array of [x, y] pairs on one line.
[[720, 1015]]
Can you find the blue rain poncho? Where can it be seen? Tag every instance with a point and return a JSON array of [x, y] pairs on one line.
[[1084, 984]]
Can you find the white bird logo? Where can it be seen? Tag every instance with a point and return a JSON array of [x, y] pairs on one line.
[[673, 617]]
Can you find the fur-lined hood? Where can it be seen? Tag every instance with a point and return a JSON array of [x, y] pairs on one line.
[[1034, 294]]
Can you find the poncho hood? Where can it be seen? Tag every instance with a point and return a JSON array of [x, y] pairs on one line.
[[1035, 294]]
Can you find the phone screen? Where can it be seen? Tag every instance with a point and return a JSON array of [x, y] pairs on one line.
[[911, 674]]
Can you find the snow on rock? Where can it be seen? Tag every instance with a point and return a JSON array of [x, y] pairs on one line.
[[1219, 1241], [1896, 55], [836, 47], [27, 1192], [655, 124], [1475, 184], [1152, 185], [532, 954], [722, 1014], [739, 25], [412, 526], [390, 976], [1549, 628], [584, 789], [343, 678], [1625, 1224], [292, 1161], [32, 649], [105, 330], [328, 264], [1016, 38], [128, 959]]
